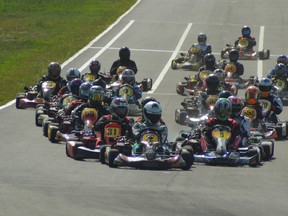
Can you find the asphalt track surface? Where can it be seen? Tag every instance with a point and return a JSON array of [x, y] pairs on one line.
[[36, 177]]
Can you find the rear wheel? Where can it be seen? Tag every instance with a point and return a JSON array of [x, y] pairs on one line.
[[253, 152], [52, 135], [278, 129]]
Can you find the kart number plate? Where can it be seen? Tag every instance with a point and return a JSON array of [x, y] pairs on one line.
[[112, 132]]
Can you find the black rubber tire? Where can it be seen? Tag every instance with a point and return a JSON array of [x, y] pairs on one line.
[[18, 98], [186, 155], [53, 133], [102, 154], [279, 133], [266, 148], [251, 152], [113, 153]]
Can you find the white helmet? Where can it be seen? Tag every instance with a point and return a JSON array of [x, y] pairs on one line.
[[152, 112]]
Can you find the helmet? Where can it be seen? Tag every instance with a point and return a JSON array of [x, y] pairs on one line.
[[72, 73], [202, 38], [246, 31], [128, 76], [221, 74], [209, 60], [212, 81], [74, 86], [282, 59], [100, 82], [280, 70], [234, 55], [251, 95], [54, 70], [237, 104], [225, 94], [152, 112], [146, 100], [84, 90], [124, 54], [223, 109], [119, 108], [96, 96], [95, 66], [265, 86]]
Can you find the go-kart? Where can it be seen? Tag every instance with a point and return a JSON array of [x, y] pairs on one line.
[[244, 53], [31, 98], [28, 98], [193, 107], [187, 87], [49, 106], [185, 62], [153, 155], [280, 88], [221, 155], [236, 82]]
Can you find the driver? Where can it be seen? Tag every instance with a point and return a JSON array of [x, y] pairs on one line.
[[118, 112], [152, 113], [246, 33], [54, 71], [233, 58], [124, 60], [95, 67], [209, 64], [128, 77], [223, 110], [265, 87], [279, 72]]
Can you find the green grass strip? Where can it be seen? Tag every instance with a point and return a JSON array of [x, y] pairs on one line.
[[35, 32]]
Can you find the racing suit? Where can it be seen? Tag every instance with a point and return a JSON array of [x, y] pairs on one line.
[[203, 68], [77, 122], [276, 107], [239, 69], [251, 42], [126, 125], [60, 82], [244, 123], [130, 64], [138, 127], [235, 133]]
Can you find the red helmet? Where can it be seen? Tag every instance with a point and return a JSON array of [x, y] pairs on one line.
[[252, 95], [237, 104]]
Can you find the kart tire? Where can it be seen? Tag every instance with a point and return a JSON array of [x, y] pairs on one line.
[[266, 148], [102, 154], [278, 129], [261, 55], [173, 65], [188, 158], [180, 116], [52, 134], [251, 152], [18, 98], [222, 53], [112, 154], [45, 125], [37, 114]]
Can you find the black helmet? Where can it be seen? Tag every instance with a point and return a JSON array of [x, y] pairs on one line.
[[212, 82], [74, 85], [54, 70], [234, 55], [100, 82], [95, 66], [246, 31], [202, 38], [225, 94], [280, 70], [124, 54], [84, 90], [209, 60]]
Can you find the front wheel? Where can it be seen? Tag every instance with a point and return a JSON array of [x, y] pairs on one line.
[[113, 153]]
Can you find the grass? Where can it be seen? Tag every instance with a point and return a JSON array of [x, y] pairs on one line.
[[35, 32]]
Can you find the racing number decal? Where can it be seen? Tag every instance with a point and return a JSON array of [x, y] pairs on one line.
[[230, 67], [112, 132], [89, 77], [126, 90], [148, 136]]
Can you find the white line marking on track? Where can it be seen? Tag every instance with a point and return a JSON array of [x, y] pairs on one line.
[[260, 47], [173, 56]]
